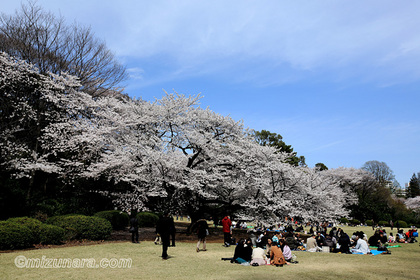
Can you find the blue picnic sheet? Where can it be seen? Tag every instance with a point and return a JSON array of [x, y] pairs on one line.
[[374, 252]]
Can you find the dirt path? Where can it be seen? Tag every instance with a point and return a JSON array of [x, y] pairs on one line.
[[145, 234]]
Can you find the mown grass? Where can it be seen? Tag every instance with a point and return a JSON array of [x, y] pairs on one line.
[[186, 263]]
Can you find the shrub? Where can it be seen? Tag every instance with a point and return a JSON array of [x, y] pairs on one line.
[[51, 234], [344, 221], [369, 222], [402, 224], [83, 227], [147, 219], [355, 222], [39, 232], [383, 223], [57, 220], [34, 225], [14, 235], [118, 219]]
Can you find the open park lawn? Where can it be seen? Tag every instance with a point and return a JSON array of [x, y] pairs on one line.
[[186, 263]]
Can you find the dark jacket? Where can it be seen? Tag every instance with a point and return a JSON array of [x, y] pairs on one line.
[[377, 240], [202, 228], [320, 240], [344, 241], [243, 252], [134, 223], [165, 226], [291, 241]]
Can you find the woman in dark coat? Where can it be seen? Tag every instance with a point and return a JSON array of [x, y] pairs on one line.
[[344, 242], [202, 232], [243, 252]]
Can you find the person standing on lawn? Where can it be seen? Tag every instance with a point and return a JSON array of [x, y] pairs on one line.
[[164, 227], [134, 227], [227, 231]]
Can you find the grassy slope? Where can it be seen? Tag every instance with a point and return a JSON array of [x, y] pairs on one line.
[[187, 264]]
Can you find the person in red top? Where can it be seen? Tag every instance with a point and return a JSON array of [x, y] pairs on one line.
[[227, 223]]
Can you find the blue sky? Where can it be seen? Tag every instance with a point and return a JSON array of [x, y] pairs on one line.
[[339, 80]]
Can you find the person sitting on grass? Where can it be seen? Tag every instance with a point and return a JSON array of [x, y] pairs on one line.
[[391, 238], [320, 239], [361, 246], [287, 253], [262, 239], [378, 239], [243, 252], [411, 235], [298, 241], [258, 257], [344, 242], [276, 256], [292, 241], [311, 245], [331, 242], [253, 237], [268, 247], [333, 232], [400, 238], [276, 237]]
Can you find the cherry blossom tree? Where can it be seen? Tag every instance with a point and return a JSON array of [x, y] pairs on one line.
[[30, 103], [166, 154], [413, 203]]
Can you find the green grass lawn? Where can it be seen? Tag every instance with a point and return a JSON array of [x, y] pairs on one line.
[[186, 263]]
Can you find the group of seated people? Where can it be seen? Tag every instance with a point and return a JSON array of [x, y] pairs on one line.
[[293, 240], [271, 252], [337, 241], [401, 237], [268, 248]]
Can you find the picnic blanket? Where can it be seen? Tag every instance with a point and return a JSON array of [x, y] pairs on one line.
[[393, 246], [373, 252]]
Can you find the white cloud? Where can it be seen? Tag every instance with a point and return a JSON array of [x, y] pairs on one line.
[[135, 73]]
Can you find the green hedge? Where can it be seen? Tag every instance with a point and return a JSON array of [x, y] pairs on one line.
[[369, 223], [51, 234], [39, 232], [15, 236], [82, 227], [402, 224], [34, 225], [344, 221], [147, 219], [118, 219], [355, 222], [383, 223]]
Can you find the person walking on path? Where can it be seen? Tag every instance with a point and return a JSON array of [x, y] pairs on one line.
[[202, 232], [227, 231], [173, 235], [164, 227]]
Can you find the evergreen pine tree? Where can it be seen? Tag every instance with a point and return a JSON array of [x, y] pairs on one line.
[[413, 189]]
